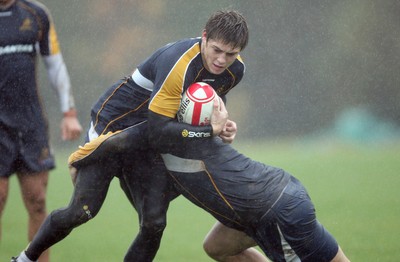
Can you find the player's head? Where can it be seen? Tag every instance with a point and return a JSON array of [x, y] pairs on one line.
[[229, 27], [224, 36]]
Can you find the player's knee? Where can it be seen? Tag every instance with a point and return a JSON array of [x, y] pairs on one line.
[[154, 218], [154, 225], [207, 248], [36, 205], [212, 250], [72, 217]]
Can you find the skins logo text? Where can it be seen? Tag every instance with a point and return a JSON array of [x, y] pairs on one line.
[[191, 134]]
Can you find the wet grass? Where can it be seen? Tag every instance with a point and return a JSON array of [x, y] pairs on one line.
[[354, 189]]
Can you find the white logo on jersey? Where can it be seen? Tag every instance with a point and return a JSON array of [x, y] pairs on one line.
[[198, 134], [11, 49]]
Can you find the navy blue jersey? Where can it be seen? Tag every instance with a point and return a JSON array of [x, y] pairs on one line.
[[234, 188], [158, 84], [26, 29]]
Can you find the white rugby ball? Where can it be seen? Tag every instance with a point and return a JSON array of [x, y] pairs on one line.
[[197, 104]]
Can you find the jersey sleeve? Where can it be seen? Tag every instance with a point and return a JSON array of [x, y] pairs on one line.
[[56, 69], [169, 82], [167, 134], [48, 41]]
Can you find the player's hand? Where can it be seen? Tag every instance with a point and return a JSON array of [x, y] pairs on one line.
[[71, 129], [229, 132], [219, 116]]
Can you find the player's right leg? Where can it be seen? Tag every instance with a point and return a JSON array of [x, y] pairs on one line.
[[33, 189], [90, 191], [4, 184], [229, 245], [8, 152]]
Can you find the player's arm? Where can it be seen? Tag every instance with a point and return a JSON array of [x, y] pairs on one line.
[[59, 78], [166, 132]]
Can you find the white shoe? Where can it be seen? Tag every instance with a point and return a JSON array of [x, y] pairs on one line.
[[21, 258]]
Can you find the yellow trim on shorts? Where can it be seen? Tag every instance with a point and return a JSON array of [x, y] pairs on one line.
[[89, 147]]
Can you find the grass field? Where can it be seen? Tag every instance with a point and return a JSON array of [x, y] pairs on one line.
[[355, 190]]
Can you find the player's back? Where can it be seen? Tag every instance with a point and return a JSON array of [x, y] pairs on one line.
[[226, 180]]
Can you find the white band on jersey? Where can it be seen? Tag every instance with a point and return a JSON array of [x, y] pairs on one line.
[[142, 81], [183, 165]]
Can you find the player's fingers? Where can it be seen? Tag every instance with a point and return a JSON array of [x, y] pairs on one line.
[[221, 105], [231, 126], [74, 134], [70, 134], [64, 133], [227, 139], [216, 104]]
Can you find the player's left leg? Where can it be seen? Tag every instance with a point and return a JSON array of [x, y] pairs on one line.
[[33, 190], [227, 244]]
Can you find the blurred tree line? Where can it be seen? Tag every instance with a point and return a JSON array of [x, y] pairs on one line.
[[306, 60]]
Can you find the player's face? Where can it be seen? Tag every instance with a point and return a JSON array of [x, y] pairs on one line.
[[216, 55]]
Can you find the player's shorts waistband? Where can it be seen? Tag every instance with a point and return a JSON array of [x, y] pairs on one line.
[[89, 147], [127, 140]]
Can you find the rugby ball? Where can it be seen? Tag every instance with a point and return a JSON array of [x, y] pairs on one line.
[[197, 104]]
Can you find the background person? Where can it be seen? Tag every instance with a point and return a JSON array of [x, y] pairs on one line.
[[26, 30]]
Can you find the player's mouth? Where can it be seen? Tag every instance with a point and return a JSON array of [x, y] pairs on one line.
[[218, 68]]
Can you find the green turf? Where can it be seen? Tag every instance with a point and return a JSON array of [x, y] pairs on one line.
[[354, 188]]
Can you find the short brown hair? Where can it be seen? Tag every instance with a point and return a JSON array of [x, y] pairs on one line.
[[230, 27]]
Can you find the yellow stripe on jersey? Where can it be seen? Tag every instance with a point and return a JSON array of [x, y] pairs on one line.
[[53, 40], [240, 59], [168, 98], [218, 191], [89, 147]]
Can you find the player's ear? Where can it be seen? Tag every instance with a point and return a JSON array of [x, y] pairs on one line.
[[204, 36]]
